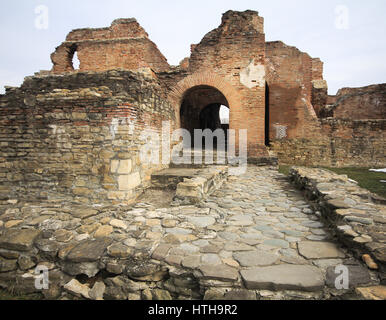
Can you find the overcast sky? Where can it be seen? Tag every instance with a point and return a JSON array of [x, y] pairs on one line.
[[348, 35]]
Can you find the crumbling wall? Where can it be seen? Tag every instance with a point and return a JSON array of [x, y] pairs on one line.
[[289, 77], [124, 45], [317, 69], [270, 88], [230, 59], [356, 142], [343, 143], [297, 93], [319, 93], [358, 103], [79, 135]]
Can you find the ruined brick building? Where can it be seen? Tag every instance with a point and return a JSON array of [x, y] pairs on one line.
[[77, 131]]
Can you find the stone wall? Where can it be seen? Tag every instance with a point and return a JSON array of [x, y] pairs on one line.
[[273, 90], [356, 143], [350, 211], [343, 143], [79, 135]]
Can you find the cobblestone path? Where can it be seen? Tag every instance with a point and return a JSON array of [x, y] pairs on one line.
[[259, 225], [255, 237]]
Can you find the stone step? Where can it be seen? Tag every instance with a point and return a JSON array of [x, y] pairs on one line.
[[190, 184], [284, 277], [170, 178], [200, 159], [205, 158]]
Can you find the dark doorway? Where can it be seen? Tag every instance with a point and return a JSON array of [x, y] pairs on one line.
[[203, 108], [267, 116], [210, 117], [214, 117]]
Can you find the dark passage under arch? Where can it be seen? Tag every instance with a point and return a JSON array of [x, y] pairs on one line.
[[200, 109]]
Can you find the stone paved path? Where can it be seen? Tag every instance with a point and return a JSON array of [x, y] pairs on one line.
[[260, 226], [257, 232]]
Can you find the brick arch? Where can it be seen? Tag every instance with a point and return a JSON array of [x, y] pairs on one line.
[[176, 95]]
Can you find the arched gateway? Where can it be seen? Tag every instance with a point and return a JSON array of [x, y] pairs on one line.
[[197, 100]]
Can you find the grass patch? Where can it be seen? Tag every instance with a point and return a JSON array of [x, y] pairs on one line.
[[284, 169], [366, 179]]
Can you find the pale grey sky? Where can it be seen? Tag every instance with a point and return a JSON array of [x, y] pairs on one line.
[[348, 35]]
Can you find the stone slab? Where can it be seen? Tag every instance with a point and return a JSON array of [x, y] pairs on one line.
[[201, 222], [84, 213], [283, 277], [255, 258], [219, 272], [89, 250], [20, 240], [319, 250], [372, 293]]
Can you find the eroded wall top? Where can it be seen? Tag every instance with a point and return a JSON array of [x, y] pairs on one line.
[[119, 29], [358, 103], [124, 45], [239, 39]]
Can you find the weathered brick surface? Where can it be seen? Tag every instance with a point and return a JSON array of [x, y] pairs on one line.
[[319, 95], [124, 45], [358, 103], [289, 78], [230, 59]]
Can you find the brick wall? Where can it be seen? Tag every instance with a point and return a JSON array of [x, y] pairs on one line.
[[289, 77], [79, 135], [231, 60], [124, 45]]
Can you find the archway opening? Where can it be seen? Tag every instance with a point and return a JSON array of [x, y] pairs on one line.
[[205, 107]]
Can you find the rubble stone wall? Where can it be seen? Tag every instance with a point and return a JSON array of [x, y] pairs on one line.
[[80, 134], [343, 143], [349, 210]]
